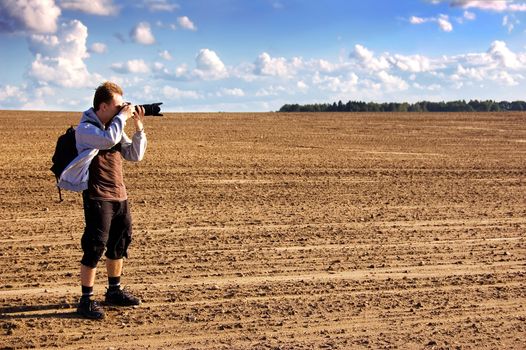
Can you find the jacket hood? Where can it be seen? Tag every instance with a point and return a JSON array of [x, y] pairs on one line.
[[91, 116]]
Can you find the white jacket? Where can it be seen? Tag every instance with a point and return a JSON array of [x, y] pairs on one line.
[[90, 139]]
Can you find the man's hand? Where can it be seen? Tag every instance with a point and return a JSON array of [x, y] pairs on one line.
[[138, 117], [128, 111]]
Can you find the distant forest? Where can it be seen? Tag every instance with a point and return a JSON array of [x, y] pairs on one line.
[[423, 106]]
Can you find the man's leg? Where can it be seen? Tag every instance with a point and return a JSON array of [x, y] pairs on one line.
[[88, 307], [114, 269], [87, 275], [115, 295], [117, 248], [98, 220]]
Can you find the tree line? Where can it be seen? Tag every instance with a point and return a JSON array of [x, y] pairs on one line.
[[422, 106]]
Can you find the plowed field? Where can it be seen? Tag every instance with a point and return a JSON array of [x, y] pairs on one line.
[[280, 231]]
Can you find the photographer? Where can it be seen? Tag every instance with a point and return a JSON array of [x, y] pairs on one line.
[[97, 171]]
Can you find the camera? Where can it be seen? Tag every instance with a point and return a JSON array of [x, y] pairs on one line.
[[152, 109]]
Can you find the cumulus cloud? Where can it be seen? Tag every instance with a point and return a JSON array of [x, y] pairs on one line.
[[92, 7], [186, 23], [367, 59], [417, 20], [12, 94], [302, 86], [131, 66], [414, 64], [33, 16], [266, 65], [392, 82], [276, 66], [142, 34], [209, 65], [498, 65], [59, 59], [271, 91], [174, 93], [235, 92], [160, 5], [180, 73], [338, 84], [166, 55], [491, 5], [98, 48], [444, 23], [500, 54], [442, 20]]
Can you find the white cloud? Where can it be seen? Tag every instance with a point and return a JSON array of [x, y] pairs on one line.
[[517, 7], [323, 65], [432, 87], [470, 16], [92, 7], [505, 78], [59, 59], [186, 23], [142, 34], [417, 20], [414, 64], [98, 48], [180, 73], [477, 74], [131, 66], [271, 91], [209, 65], [267, 65], [500, 53], [490, 5], [442, 20], [367, 59], [166, 55], [302, 86], [391, 82], [174, 93], [340, 84], [160, 6], [34, 16], [235, 92], [509, 22], [444, 23], [161, 24], [11, 92]]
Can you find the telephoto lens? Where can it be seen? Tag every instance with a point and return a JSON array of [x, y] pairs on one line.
[[152, 109]]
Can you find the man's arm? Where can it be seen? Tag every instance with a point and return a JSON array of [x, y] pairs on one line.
[[91, 136], [134, 149]]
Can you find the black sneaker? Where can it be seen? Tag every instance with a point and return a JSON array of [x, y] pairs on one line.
[[90, 309], [121, 297]]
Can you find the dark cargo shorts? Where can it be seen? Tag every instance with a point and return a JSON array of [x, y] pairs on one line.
[[108, 226]]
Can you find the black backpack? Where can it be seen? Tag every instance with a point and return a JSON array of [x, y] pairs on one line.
[[65, 152]]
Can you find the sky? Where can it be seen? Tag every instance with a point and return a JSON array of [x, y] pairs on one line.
[[256, 55]]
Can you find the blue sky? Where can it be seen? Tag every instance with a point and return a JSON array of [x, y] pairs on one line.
[[256, 55]]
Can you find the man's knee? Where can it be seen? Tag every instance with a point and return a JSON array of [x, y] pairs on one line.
[[93, 251]]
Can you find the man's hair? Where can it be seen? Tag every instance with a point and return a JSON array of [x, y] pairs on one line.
[[104, 93]]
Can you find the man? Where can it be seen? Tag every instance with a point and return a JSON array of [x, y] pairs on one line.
[[97, 171]]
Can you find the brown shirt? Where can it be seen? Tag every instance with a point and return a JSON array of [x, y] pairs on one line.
[[106, 180]]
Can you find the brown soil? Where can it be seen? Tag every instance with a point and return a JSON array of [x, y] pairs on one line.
[[281, 231]]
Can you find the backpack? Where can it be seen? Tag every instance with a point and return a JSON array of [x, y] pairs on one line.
[[65, 152]]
